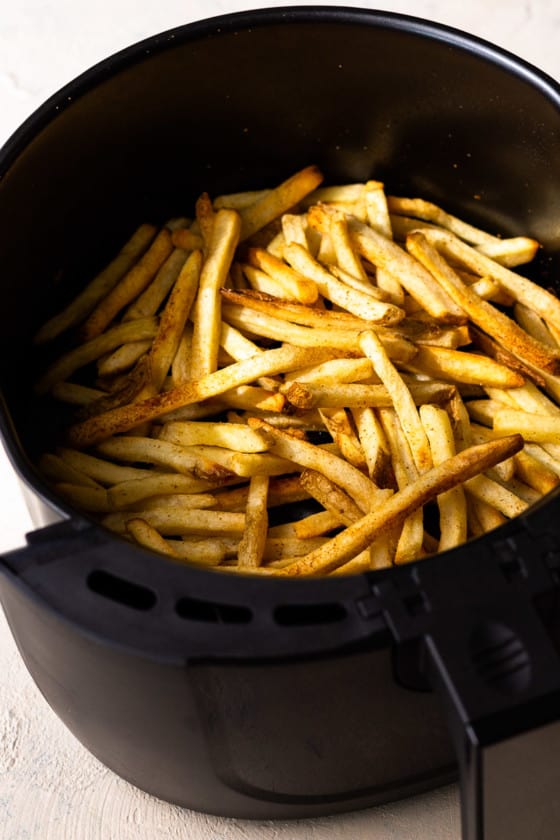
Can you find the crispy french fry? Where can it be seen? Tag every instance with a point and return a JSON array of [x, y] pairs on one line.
[[252, 544], [72, 392], [535, 428], [177, 521], [123, 358], [294, 285], [331, 496], [235, 436], [309, 395], [340, 428], [460, 366], [162, 453], [61, 472], [129, 287], [128, 493], [482, 313], [146, 536], [402, 400], [277, 201], [152, 297], [206, 319], [122, 419], [92, 499], [452, 504]]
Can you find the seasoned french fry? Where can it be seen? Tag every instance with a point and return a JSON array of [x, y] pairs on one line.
[[235, 436], [306, 396], [252, 544], [460, 366], [123, 358], [92, 499], [331, 496], [59, 471], [122, 419], [206, 319], [162, 453], [129, 287], [482, 313], [72, 392], [128, 493], [340, 428], [402, 400], [277, 201], [146, 536], [152, 297], [294, 285], [173, 522]]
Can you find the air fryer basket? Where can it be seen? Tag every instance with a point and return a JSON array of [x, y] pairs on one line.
[[268, 698]]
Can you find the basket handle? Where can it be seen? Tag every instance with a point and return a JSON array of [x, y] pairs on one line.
[[487, 652]]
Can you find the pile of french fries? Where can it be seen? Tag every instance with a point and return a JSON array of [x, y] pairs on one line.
[[373, 354]]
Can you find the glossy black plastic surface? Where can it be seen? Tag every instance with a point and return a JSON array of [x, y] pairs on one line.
[[233, 103]]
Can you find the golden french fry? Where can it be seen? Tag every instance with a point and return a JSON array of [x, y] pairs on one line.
[[129, 287], [277, 201], [482, 313], [308, 395], [359, 303], [235, 436], [252, 544], [149, 301], [428, 212], [461, 366], [122, 419], [103, 472], [92, 499], [173, 522], [72, 392], [331, 496], [99, 287], [206, 317], [387, 255], [205, 218], [146, 536], [240, 200], [534, 473], [361, 534], [535, 428], [402, 399], [452, 504], [128, 493], [165, 454], [294, 285], [123, 358], [340, 428]]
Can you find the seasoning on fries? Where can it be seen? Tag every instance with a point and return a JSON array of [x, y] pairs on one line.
[[373, 358]]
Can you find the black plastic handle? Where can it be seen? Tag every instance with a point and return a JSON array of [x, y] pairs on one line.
[[480, 616]]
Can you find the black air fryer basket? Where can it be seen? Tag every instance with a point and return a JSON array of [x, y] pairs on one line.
[[285, 698]]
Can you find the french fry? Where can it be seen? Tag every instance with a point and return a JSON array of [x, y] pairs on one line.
[[123, 358], [206, 335], [101, 471], [122, 419], [359, 303], [543, 302], [309, 395], [535, 428], [331, 496], [374, 445], [534, 473], [181, 364], [72, 392], [418, 282], [277, 201], [99, 287], [335, 371], [240, 200], [235, 436], [146, 536], [59, 471], [91, 499], [205, 218], [361, 534], [429, 212], [173, 522], [411, 537], [129, 287], [482, 313], [164, 454], [402, 400], [461, 366], [294, 285], [252, 544], [361, 489], [128, 493], [187, 240], [149, 301], [338, 425]]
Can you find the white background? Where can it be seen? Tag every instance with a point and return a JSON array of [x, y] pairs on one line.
[[50, 788]]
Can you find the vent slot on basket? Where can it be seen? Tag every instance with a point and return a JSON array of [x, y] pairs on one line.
[[122, 591], [196, 610], [300, 615]]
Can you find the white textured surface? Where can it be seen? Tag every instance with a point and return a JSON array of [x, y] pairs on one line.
[[50, 787]]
